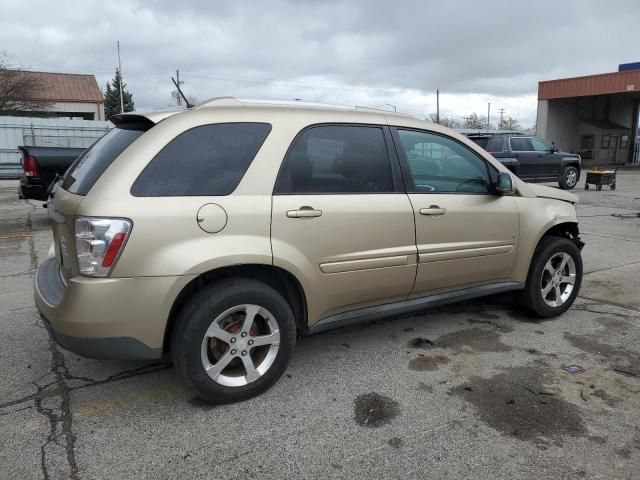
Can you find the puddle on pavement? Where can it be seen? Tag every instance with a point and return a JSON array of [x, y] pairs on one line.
[[485, 315], [477, 339], [373, 410], [427, 363], [605, 397], [502, 328], [518, 403], [420, 342], [621, 361], [395, 442], [610, 322]]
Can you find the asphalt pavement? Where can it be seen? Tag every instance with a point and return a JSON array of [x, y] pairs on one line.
[[472, 390]]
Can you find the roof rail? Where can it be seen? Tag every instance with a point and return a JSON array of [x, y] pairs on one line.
[[219, 101]]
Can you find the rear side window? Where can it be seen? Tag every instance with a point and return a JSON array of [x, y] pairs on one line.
[[495, 144], [209, 160], [337, 159], [521, 144], [86, 170]]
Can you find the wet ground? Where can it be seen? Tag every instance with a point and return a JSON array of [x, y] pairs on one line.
[[473, 390]]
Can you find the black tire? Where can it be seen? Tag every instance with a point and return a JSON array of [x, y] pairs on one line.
[[569, 178], [197, 316], [532, 294]]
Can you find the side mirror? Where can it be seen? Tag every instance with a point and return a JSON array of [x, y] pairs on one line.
[[504, 184]]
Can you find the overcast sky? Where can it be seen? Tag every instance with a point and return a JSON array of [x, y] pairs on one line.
[[351, 52]]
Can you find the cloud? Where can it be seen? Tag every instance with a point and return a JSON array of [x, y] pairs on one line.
[[340, 51]]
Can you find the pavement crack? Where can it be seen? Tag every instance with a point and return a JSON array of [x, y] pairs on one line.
[[136, 372], [33, 255], [588, 307], [61, 418]]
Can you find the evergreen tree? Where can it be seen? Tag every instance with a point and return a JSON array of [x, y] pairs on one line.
[[112, 97]]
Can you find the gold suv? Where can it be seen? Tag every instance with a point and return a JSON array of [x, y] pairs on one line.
[[218, 235]]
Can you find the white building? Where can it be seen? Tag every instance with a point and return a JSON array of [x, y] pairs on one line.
[[70, 95]]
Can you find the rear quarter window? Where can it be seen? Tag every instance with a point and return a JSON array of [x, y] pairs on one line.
[[89, 166], [209, 160]]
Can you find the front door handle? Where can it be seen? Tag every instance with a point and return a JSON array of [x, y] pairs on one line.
[[433, 210], [304, 212]]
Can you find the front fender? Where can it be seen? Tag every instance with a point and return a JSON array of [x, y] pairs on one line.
[[537, 217]]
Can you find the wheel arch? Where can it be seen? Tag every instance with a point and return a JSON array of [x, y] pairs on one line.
[[571, 162], [564, 229], [278, 278]]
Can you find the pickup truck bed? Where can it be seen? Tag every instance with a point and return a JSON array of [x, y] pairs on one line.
[[40, 166]]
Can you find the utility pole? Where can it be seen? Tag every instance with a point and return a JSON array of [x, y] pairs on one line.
[[178, 97], [501, 118], [395, 109], [437, 106], [488, 115], [120, 72]]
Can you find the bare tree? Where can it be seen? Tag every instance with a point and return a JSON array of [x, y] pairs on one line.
[[444, 121], [477, 122], [19, 91], [510, 123]]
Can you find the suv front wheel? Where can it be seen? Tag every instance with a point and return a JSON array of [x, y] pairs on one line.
[[233, 340], [554, 277], [569, 178]]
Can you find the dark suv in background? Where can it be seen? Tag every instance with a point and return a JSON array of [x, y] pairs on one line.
[[531, 158]]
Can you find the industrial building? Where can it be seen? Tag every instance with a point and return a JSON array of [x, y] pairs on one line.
[[595, 116], [66, 95]]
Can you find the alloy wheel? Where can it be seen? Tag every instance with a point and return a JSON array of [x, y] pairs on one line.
[[558, 279], [240, 345]]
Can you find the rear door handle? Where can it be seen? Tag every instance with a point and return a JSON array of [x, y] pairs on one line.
[[304, 212], [433, 210]]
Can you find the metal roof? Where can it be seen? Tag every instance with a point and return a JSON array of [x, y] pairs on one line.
[[602, 84], [65, 87]]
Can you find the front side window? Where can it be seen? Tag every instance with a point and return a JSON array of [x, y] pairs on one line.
[[209, 160], [337, 159], [521, 145], [439, 164], [539, 146]]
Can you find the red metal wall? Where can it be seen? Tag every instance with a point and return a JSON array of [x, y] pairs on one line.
[[606, 83]]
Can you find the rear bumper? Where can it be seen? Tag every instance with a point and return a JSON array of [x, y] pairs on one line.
[[105, 348], [106, 318], [35, 192]]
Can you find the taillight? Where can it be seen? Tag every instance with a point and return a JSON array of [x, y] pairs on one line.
[[99, 243], [30, 166]]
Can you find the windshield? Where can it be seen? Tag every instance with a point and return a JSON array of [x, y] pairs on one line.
[[88, 168]]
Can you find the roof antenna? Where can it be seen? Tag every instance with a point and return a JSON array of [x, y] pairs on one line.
[[186, 101]]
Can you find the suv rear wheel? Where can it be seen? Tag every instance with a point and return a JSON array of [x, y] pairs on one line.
[[569, 178], [554, 277], [233, 340]]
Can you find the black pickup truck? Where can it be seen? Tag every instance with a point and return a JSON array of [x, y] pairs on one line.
[[40, 165], [531, 158]]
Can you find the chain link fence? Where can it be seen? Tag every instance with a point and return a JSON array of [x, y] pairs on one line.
[[43, 132]]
